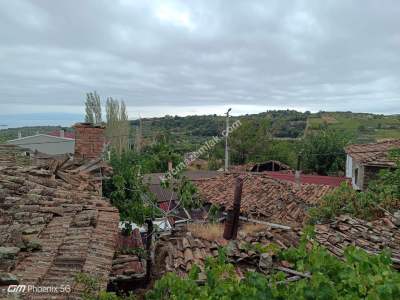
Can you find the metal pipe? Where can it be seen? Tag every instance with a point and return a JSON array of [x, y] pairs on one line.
[[226, 141]]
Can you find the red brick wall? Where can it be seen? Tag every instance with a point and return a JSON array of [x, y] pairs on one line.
[[89, 140]]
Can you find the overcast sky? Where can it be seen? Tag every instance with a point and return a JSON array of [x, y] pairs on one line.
[[195, 57]]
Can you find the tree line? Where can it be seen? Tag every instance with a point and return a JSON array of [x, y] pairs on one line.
[[117, 124]]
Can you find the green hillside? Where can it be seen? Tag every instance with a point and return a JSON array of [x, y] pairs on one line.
[[363, 127], [197, 129]]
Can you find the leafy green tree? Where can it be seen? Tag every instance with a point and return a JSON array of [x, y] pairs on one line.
[[284, 151], [248, 141], [155, 157], [126, 190], [323, 152], [118, 128]]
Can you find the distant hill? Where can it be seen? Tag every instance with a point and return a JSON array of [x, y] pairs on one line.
[[283, 124], [196, 129]]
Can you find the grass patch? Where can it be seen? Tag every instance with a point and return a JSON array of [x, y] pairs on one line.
[[206, 231], [249, 229]]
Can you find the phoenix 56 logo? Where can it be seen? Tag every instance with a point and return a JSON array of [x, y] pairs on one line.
[[22, 288]]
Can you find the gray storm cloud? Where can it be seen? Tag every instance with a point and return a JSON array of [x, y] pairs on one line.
[[315, 55]]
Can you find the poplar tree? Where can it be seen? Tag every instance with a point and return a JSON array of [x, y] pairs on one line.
[[117, 129], [93, 108]]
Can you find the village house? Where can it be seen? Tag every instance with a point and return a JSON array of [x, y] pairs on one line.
[[52, 143], [365, 161]]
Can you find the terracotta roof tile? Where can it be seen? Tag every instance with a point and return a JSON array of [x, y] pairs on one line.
[[60, 229], [371, 236], [11, 155], [178, 253], [375, 154], [264, 197]]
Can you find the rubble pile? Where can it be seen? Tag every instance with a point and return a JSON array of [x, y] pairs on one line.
[[81, 174]]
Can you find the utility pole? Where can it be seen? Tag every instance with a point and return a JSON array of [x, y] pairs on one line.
[[139, 136], [226, 141]]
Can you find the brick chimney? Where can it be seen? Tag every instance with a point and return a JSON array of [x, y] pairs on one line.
[[89, 140]]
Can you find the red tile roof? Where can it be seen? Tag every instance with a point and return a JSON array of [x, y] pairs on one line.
[[263, 196], [375, 154]]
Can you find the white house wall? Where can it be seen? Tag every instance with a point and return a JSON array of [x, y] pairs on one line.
[[46, 144], [349, 166]]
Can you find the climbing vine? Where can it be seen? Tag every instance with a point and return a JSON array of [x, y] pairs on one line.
[[358, 276]]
